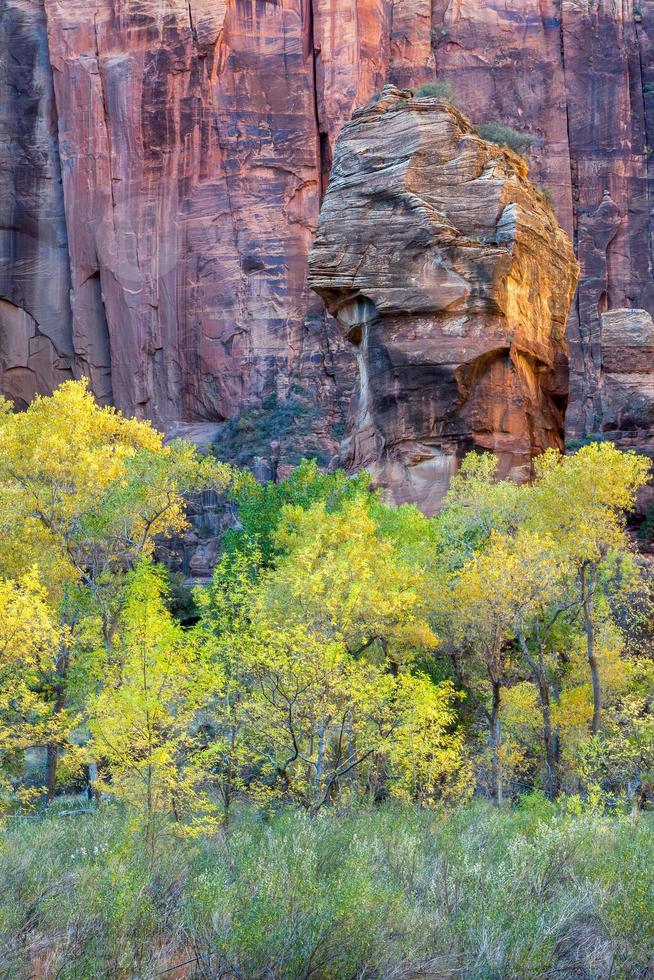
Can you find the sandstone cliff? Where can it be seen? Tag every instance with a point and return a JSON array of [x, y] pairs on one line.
[[449, 274], [626, 379], [161, 166]]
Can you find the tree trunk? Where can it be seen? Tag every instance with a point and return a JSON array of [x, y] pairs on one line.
[[52, 751], [637, 801], [587, 587], [551, 748], [93, 781], [496, 737], [320, 759], [549, 736], [52, 756]]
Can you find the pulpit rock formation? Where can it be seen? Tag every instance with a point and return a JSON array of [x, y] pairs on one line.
[[446, 269]]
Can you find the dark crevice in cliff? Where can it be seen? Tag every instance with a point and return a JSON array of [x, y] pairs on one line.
[[57, 172], [573, 169], [575, 324], [194, 33], [323, 145], [105, 117], [102, 338]]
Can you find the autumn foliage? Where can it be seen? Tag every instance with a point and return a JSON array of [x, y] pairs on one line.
[[345, 650]]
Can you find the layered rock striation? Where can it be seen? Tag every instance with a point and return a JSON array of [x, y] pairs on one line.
[[447, 271]]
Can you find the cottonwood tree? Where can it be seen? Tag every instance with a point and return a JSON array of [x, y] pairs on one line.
[[504, 594], [539, 574], [225, 630], [318, 723], [429, 762], [317, 652], [315, 713], [84, 494], [346, 581], [30, 641], [146, 721], [581, 501], [260, 506]]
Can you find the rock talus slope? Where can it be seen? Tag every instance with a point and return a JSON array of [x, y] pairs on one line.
[[448, 273]]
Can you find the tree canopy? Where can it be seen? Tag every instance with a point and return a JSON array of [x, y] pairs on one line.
[[344, 648]]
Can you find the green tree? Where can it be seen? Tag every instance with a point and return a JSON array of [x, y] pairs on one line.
[[260, 506], [146, 721]]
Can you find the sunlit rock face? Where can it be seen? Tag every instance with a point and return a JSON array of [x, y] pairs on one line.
[[448, 273]]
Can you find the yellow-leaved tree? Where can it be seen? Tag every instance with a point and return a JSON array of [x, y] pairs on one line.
[[147, 720], [84, 493], [344, 580], [536, 572], [496, 596], [319, 651], [30, 642], [315, 714], [581, 501], [429, 762]]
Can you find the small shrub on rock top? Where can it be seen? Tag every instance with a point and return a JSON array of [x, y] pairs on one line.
[[435, 90], [496, 132], [546, 194]]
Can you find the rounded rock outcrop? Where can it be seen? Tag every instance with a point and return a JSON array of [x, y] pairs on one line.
[[448, 272]]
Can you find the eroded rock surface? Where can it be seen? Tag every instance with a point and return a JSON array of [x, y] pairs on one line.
[[161, 166], [447, 271], [626, 389], [36, 344], [578, 75]]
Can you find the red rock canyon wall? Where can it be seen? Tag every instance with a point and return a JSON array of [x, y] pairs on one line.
[[161, 168]]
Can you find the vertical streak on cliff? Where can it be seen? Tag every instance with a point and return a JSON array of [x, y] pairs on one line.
[[645, 35], [323, 148], [457, 346], [576, 392], [36, 348]]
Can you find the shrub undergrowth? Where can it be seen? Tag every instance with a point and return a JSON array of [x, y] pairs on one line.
[[385, 892]]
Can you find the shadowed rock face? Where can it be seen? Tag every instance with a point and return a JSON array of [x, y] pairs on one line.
[[159, 186], [626, 388], [449, 274], [36, 344]]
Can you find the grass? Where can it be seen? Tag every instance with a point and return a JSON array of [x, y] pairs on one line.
[[390, 892]]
